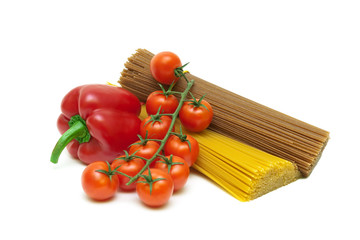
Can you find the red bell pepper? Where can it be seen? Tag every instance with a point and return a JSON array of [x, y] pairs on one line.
[[97, 122]]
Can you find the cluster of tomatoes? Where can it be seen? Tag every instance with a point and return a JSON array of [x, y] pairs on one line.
[[161, 158]]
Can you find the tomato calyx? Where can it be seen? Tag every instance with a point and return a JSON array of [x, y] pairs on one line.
[[179, 72], [155, 118], [110, 172], [128, 157], [169, 161], [182, 137], [149, 180], [197, 103], [142, 142], [169, 91]]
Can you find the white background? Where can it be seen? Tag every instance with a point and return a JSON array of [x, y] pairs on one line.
[[299, 57]]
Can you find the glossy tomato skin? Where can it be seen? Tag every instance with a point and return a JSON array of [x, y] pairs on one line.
[[130, 168], [157, 129], [178, 172], [157, 99], [161, 190], [196, 119], [162, 67], [175, 146], [97, 185], [146, 151]]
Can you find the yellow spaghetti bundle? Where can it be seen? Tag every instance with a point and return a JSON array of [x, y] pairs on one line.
[[243, 171]]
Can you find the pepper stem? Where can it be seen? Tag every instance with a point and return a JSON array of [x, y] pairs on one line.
[[77, 130]]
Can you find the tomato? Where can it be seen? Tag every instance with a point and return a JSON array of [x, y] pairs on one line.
[[177, 168], [130, 166], [151, 190], [197, 116], [99, 185], [156, 129], [163, 65], [168, 103], [144, 148], [179, 146]]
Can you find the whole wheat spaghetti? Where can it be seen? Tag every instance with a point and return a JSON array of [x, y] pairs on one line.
[[238, 117]]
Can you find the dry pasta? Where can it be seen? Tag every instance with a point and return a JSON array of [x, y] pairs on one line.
[[239, 118]]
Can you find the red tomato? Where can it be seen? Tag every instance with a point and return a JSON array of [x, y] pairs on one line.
[[145, 149], [130, 167], [196, 118], [161, 190], [177, 168], [99, 185], [157, 99], [180, 147], [155, 129], [163, 65]]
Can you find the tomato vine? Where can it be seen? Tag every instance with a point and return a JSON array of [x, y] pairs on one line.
[[173, 116]]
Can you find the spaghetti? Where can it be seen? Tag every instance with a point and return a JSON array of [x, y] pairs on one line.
[[239, 118]]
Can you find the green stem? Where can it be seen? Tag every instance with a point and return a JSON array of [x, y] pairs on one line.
[[163, 141], [155, 139], [77, 130], [174, 92]]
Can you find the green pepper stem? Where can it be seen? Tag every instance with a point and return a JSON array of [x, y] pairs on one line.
[[78, 129]]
